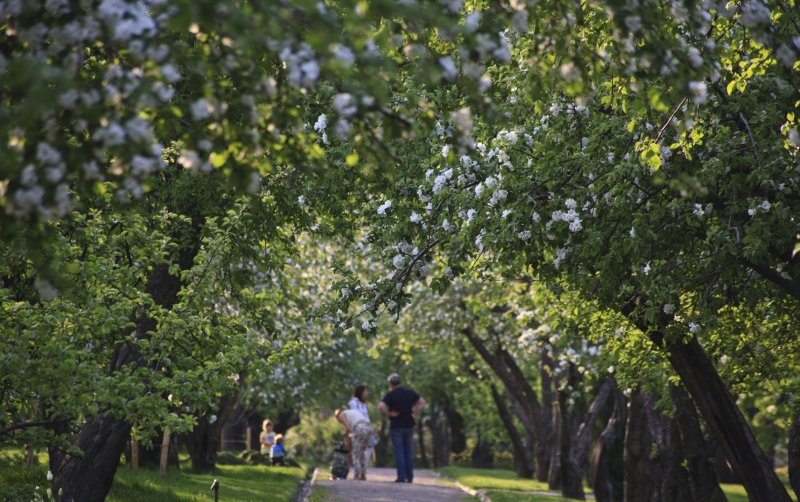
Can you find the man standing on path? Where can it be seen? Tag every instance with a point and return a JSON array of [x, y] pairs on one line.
[[402, 405]]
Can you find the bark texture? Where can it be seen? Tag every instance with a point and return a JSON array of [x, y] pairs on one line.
[[794, 455], [521, 463], [606, 474], [725, 421], [575, 445]]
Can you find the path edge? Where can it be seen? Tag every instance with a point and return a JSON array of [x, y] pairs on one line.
[[481, 494], [304, 490]]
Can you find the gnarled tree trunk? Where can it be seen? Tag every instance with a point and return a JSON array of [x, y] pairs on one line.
[[702, 479], [725, 421], [575, 449], [521, 461], [607, 475]]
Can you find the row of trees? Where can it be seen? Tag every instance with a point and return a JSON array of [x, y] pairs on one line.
[[635, 160]]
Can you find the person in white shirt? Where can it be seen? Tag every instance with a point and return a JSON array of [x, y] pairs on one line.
[[359, 403], [358, 432]]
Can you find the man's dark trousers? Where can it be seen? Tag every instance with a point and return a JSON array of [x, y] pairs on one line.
[[403, 445]]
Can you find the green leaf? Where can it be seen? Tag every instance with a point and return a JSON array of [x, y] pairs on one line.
[[218, 159]]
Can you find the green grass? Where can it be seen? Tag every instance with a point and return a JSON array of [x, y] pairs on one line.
[[240, 483], [521, 497], [320, 494], [734, 493], [488, 479]]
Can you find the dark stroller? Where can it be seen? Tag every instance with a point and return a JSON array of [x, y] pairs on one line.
[[340, 461]]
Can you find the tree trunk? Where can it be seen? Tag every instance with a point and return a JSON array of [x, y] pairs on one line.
[[382, 448], [103, 438], [202, 445], [423, 455], [521, 463], [554, 474], [550, 439], [88, 477], [794, 455], [639, 474], [455, 427], [150, 455], [206, 439], [482, 454], [703, 481], [525, 401], [437, 423], [607, 475], [575, 452], [726, 422]]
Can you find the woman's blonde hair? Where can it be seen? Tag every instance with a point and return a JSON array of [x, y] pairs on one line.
[[267, 423]]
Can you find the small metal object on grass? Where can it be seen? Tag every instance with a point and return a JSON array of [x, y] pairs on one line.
[[215, 487]]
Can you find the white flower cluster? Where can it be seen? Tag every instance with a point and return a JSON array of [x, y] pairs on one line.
[[441, 181], [303, 69], [320, 125], [764, 207], [700, 210], [497, 48], [570, 216], [383, 207], [754, 14]]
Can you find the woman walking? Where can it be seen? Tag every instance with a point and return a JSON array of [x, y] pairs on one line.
[[358, 432]]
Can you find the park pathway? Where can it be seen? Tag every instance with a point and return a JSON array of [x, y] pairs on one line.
[[380, 487]]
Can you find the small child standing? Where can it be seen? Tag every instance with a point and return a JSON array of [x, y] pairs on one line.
[[267, 437], [278, 453]]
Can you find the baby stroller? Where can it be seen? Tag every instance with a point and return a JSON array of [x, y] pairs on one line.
[[340, 462]]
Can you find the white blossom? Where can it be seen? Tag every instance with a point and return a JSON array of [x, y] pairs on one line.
[[201, 109], [399, 261], [699, 91], [449, 70], [344, 104], [344, 54], [170, 73], [794, 137], [695, 59], [669, 308], [633, 23], [754, 14], [383, 207]]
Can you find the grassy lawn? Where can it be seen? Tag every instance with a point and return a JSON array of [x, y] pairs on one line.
[[499, 479], [488, 479], [241, 483], [521, 497]]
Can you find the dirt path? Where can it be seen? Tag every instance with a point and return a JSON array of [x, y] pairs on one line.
[[380, 487]]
